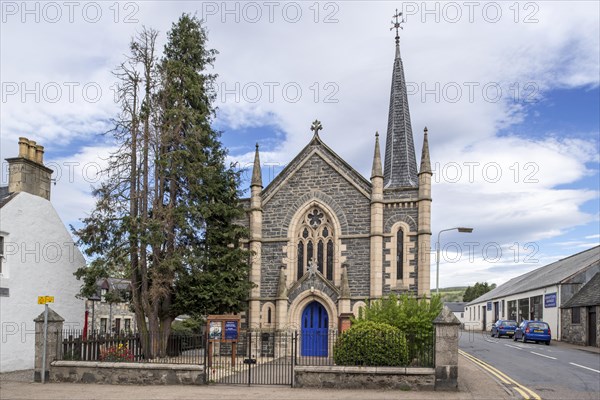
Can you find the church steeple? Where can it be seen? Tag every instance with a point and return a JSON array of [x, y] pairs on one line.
[[400, 167]]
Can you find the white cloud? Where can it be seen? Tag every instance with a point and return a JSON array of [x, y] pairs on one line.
[[343, 70]]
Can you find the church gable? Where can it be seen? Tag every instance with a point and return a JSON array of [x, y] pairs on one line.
[[316, 180], [317, 148]]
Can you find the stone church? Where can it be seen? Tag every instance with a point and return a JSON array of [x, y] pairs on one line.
[[325, 238]]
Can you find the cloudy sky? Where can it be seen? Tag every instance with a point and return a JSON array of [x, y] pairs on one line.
[[508, 90]]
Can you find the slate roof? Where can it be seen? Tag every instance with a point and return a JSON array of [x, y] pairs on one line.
[[548, 275], [588, 295], [114, 284], [5, 196], [400, 167], [456, 306]]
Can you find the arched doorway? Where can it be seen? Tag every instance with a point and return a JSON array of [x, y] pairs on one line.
[[315, 329]]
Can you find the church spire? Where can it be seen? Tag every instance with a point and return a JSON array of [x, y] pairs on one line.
[[400, 168], [376, 170], [256, 171]]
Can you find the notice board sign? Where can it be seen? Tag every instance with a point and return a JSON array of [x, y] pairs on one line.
[[231, 330], [223, 328], [215, 330], [550, 300]]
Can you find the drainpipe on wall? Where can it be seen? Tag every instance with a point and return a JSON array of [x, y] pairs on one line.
[[558, 321]]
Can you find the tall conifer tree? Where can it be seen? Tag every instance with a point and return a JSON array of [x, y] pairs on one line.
[[166, 217]]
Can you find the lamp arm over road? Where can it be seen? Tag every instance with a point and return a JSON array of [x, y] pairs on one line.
[[437, 259]]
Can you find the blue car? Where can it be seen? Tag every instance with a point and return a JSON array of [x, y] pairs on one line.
[[504, 327], [537, 331]]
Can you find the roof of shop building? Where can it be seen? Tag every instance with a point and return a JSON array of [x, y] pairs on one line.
[[589, 295], [456, 306], [548, 275]]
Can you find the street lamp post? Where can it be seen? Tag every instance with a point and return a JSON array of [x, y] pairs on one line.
[[437, 270]]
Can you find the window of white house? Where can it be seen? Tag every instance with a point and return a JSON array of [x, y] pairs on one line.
[[103, 324], [103, 293], [127, 324]]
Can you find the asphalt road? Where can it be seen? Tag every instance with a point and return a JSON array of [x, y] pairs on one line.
[[558, 371]]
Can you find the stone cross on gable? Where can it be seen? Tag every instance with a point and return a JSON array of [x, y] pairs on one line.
[[316, 126]]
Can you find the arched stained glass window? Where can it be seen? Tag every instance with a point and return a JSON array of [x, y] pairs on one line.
[[316, 238]]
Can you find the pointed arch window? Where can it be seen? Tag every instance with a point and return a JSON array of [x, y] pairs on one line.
[[400, 255], [316, 238]]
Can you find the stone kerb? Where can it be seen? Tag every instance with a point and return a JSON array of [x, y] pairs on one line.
[[55, 326], [446, 350]]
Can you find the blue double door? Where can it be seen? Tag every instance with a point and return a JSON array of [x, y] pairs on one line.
[[315, 329]]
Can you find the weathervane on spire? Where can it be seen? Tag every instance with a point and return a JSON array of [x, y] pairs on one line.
[[397, 24], [316, 126]]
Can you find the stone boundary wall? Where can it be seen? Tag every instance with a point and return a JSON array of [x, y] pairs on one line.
[[339, 377], [126, 373]]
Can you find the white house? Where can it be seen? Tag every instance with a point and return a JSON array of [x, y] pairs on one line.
[[458, 309], [536, 295], [38, 258]]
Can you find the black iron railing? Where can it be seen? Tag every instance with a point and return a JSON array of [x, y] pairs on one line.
[[127, 347]]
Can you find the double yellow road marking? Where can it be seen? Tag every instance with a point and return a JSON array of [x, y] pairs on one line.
[[526, 393]]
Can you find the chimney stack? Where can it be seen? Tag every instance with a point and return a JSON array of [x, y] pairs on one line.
[[27, 172]]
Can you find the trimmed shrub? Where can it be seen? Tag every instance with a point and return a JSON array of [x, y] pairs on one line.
[[371, 344]]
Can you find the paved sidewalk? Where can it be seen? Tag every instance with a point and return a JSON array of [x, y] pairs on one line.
[[474, 384]]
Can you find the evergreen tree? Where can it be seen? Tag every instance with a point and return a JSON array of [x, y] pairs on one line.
[[477, 290], [165, 217]]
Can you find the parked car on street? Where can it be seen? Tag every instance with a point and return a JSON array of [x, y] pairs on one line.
[[537, 331], [504, 327]]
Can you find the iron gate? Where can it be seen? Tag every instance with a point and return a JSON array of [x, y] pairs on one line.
[[258, 358]]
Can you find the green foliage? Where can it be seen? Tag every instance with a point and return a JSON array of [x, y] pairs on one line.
[[452, 294], [371, 344], [72, 355], [411, 316], [190, 326], [407, 313], [214, 277], [477, 290]]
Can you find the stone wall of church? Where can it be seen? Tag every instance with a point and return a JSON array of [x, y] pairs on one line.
[[358, 261], [271, 260], [352, 210]]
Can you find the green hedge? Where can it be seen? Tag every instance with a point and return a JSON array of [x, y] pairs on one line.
[[371, 344]]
